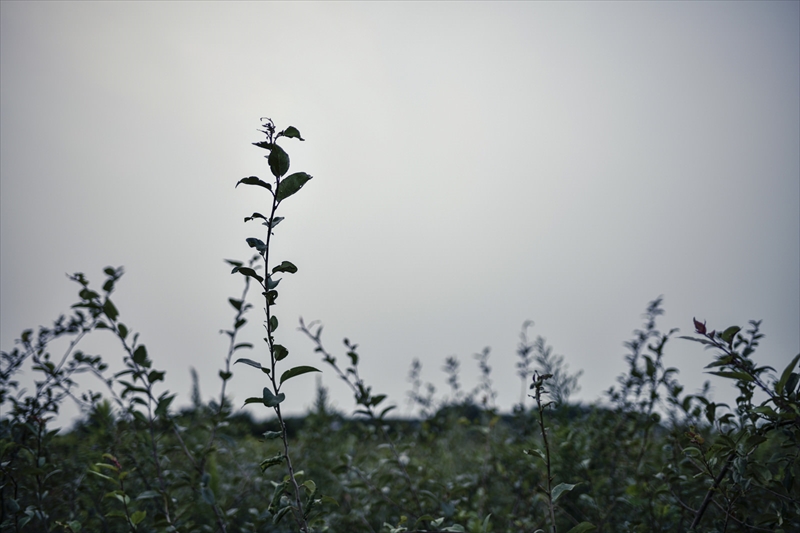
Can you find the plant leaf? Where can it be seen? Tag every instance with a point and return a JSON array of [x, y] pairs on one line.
[[730, 333], [280, 352], [781, 385], [286, 266], [561, 488], [272, 461], [271, 400], [247, 271], [291, 184], [254, 364], [253, 180], [296, 371], [278, 161], [292, 133]]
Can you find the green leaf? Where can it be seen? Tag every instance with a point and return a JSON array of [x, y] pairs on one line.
[[122, 329], [296, 371], [254, 364], [146, 495], [252, 180], [163, 404], [271, 284], [278, 162], [110, 310], [291, 184], [730, 333], [225, 376], [561, 488], [154, 376], [270, 399], [254, 216], [485, 526], [258, 244], [280, 352], [88, 294], [781, 385], [272, 461], [583, 527], [140, 355], [273, 323], [137, 517], [534, 451], [269, 435], [292, 133], [743, 376], [247, 271], [278, 517], [286, 266], [310, 487], [103, 476]]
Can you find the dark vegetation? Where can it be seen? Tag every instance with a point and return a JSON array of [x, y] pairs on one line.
[[649, 458]]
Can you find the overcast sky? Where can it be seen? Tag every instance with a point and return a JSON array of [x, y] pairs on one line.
[[475, 165]]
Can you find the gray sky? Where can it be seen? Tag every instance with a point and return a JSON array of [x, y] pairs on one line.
[[475, 165]]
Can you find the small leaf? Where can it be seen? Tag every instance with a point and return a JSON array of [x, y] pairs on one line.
[[154, 376], [291, 184], [254, 364], [292, 133], [269, 435], [280, 352], [742, 376], [273, 323], [278, 161], [247, 271], [730, 333], [253, 216], [534, 451], [296, 371], [286, 266], [272, 461], [781, 385], [225, 376], [138, 516], [148, 494], [258, 244], [110, 310], [140, 355], [561, 488], [264, 144], [310, 487], [252, 180], [270, 399], [278, 517]]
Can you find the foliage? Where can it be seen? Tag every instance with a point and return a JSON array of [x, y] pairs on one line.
[[648, 459]]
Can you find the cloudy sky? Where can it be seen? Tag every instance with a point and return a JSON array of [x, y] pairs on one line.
[[475, 165]]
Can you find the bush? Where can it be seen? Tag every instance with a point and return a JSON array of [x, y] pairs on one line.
[[649, 459]]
